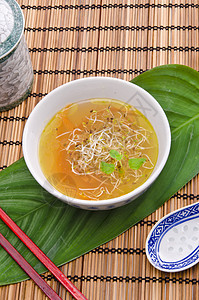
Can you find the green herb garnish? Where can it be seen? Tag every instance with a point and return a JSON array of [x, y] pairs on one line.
[[115, 154], [107, 168], [136, 163]]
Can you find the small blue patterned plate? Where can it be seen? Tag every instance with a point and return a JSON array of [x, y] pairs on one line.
[[173, 243]]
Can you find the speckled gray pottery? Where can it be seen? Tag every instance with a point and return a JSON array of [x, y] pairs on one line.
[[16, 73]]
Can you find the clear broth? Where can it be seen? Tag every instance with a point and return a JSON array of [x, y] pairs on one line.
[[81, 136]]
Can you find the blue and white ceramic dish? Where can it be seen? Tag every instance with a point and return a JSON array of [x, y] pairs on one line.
[[173, 243]]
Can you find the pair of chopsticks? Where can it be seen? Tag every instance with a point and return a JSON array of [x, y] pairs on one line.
[[50, 293]]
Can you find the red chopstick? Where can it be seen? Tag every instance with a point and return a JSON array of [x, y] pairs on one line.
[[50, 293], [42, 257]]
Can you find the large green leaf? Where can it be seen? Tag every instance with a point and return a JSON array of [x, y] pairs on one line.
[[64, 232]]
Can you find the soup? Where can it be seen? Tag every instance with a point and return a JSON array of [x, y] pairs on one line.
[[98, 149]]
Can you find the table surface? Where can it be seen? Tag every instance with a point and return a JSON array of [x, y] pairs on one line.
[[68, 40]]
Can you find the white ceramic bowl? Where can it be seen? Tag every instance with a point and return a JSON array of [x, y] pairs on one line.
[[87, 88]]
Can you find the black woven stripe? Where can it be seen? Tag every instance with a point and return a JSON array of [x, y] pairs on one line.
[[117, 49], [90, 72], [137, 251], [186, 196], [115, 5], [126, 279], [3, 167], [148, 223], [12, 118], [37, 94], [106, 28], [10, 143]]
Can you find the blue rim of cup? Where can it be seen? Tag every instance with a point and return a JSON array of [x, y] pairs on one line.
[[10, 44]]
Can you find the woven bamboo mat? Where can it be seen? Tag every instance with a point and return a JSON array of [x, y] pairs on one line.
[[73, 39]]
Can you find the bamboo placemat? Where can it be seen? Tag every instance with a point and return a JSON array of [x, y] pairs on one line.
[[74, 39]]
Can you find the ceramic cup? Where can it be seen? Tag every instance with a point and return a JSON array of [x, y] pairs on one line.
[[16, 73]]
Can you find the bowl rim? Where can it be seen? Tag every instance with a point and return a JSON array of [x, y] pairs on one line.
[[92, 203]]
